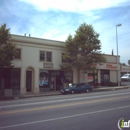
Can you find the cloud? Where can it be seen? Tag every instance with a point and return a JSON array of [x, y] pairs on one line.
[[57, 19], [75, 5]]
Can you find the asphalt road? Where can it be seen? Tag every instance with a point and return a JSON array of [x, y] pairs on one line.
[[87, 111]]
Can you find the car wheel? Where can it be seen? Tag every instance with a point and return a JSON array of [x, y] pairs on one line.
[[87, 90], [72, 92]]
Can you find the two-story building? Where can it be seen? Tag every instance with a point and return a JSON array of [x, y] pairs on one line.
[[37, 68]]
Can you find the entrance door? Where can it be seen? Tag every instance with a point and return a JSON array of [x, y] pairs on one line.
[[105, 77], [28, 81]]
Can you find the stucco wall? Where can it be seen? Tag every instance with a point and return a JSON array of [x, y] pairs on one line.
[[111, 58], [113, 76], [30, 58]]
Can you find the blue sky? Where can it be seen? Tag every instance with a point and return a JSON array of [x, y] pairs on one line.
[[56, 19]]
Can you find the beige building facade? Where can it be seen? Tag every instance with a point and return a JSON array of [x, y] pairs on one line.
[[37, 68]]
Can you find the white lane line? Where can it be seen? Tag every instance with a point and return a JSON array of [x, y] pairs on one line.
[[63, 100], [65, 117]]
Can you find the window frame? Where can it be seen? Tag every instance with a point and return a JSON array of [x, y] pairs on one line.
[[18, 57], [41, 57], [45, 57]]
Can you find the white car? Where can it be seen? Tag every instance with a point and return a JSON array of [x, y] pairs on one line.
[[125, 79]]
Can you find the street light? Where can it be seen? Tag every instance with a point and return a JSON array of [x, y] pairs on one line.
[[118, 72]]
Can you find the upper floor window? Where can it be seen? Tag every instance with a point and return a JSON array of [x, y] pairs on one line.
[[45, 56], [18, 56], [42, 55], [48, 56]]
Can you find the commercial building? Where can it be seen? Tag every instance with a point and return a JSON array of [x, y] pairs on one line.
[[37, 68]]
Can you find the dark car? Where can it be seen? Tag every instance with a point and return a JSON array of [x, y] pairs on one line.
[[77, 88]]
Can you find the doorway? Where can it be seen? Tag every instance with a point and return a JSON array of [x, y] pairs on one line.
[[28, 81], [105, 77]]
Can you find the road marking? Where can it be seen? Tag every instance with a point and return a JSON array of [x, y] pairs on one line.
[[60, 106], [65, 117], [63, 100]]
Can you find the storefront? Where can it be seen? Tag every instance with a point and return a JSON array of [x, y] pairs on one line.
[[53, 80], [10, 81], [105, 77], [92, 78], [37, 69]]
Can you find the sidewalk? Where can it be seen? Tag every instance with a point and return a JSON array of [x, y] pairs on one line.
[[52, 93], [110, 88]]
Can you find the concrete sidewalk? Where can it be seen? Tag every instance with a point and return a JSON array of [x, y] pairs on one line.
[[52, 93], [110, 88]]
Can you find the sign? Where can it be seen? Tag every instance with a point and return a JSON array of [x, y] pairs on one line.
[[107, 66], [48, 65], [110, 66]]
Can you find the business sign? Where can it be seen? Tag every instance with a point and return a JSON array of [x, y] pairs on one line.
[[107, 66], [111, 66], [48, 65]]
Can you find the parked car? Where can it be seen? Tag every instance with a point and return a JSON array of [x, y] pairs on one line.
[[125, 79], [77, 88]]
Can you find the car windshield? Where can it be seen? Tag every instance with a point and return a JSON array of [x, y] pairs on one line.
[[125, 75]]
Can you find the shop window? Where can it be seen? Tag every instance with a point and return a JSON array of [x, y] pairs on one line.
[[15, 78], [45, 56], [50, 80], [18, 56]]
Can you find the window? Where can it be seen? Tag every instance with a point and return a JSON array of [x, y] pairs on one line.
[[48, 56], [42, 56], [15, 78], [45, 56], [78, 86], [18, 56]]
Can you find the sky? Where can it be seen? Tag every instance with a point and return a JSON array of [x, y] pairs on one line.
[[56, 19]]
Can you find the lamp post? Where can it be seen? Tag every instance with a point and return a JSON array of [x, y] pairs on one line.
[[118, 72]]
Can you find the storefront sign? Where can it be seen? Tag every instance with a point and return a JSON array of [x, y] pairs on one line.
[[48, 65], [110, 66], [107, 66]]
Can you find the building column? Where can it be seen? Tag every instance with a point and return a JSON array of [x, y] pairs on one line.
[[23, 81], [75, 75], [81, 76], [99, 78], [85, 77], [36, 80]]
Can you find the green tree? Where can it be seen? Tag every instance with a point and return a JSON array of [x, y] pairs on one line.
[[7, 48], [83, 49], [129, 62], [123, 64]]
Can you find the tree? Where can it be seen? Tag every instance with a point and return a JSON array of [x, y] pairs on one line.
[[123, 64], [7, 48], [129, 62], [83, 49]]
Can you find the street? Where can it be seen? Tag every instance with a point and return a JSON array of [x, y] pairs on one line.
[[86, 111]]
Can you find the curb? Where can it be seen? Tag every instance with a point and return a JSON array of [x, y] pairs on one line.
[[53, 94], [42, 95], [110, 88]]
